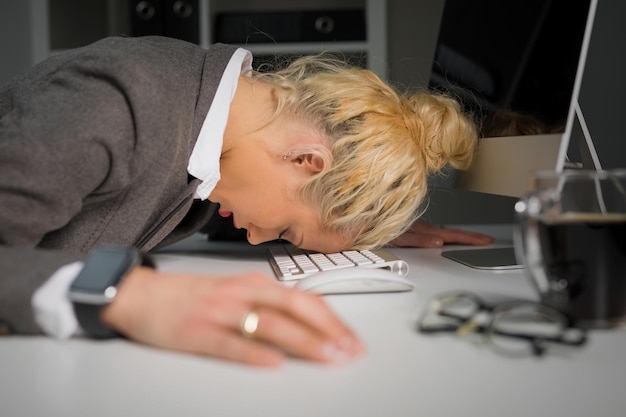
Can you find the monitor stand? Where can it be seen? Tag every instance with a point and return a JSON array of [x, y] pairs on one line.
[[504, 258], [581, 136]]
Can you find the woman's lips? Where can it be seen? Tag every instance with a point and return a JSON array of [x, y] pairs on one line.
[[224, 213]]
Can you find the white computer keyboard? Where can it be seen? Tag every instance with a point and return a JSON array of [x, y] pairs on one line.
[[291, 263]]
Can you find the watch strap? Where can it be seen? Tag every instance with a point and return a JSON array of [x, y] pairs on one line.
[[88, 315]]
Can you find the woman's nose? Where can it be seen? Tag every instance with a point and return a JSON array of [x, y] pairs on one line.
[[257, 236]]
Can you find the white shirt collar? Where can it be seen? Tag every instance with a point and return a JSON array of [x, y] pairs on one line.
[[204, 162]]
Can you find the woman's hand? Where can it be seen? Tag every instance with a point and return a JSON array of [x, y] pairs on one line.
[[203, 315], [425, 235]]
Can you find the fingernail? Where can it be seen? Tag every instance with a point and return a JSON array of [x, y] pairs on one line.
[[350, 344], [335, 354], [437, 242]]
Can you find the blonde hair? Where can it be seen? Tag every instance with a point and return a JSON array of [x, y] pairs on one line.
[[383, 145]]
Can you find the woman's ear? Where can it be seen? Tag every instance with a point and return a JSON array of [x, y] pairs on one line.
[[310, 163]]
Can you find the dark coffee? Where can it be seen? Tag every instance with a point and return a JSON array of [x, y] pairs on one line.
[[585, 261]]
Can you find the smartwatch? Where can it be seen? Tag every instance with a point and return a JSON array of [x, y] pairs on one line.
[[96, 285]]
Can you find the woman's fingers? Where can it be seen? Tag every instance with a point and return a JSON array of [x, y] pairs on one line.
[[425, 235], [299, 323], [306, 309], [202, 314], [281, 330], [276, 336], [227, 344]]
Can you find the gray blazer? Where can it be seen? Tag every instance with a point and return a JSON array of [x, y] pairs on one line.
[[94, 146]]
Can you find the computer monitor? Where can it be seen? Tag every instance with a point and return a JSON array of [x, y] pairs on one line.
[[518, 66]]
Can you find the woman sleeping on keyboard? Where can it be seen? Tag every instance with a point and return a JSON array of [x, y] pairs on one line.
[[113, 150]]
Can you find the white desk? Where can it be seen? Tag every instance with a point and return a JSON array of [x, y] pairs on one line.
[[404, 373]]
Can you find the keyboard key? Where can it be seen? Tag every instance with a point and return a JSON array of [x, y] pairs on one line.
[[289, 262], [357, 257]]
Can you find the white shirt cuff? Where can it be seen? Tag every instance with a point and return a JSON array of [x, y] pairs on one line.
[[54, 312]]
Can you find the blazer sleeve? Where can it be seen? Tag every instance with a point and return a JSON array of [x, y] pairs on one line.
[[50, 161], [23, 271], [94, 145]]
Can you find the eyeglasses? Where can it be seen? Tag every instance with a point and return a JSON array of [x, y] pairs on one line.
[[514, 327]]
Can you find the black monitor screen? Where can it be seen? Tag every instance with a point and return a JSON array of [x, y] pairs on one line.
[[511, 57]]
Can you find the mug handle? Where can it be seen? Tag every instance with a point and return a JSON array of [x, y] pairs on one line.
[[526, 237]]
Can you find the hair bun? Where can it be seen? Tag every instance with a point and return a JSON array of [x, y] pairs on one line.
[[443, 133]]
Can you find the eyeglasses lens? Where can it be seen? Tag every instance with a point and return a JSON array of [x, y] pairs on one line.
[[448, 311], [525, 328]]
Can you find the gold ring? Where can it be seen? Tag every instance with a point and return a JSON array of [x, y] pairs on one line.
[[249, 324]]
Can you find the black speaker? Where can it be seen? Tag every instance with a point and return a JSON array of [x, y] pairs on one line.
[[173, 18], [300, 26], [146, 17]]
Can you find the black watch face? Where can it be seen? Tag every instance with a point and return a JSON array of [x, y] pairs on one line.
[[104, 268]]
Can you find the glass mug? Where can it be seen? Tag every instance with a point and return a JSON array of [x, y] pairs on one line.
[[571, 237]]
